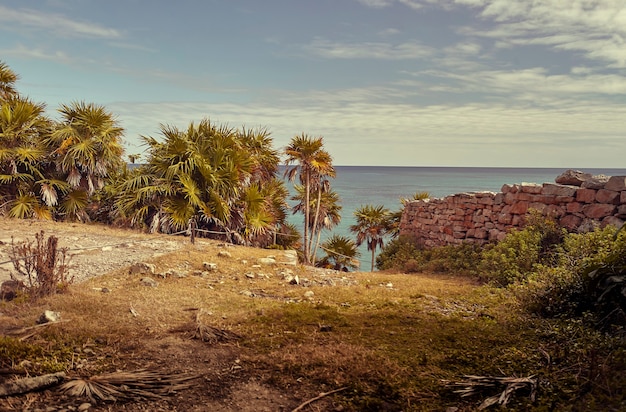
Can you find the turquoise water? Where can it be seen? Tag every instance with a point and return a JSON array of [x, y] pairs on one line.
[[376, 185]]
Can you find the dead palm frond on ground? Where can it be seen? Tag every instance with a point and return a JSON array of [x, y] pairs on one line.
[[118, 386], [507, 387]]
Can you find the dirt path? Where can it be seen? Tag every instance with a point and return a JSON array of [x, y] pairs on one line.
[[93, 250]]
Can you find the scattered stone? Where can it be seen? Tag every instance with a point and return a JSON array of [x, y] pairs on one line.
[[211, 267], [250, 275], [143, 268], [224, 254], [247, 293], [270, 260], [49, 316], [107, 248], [84, 406], [295, 280], [309, 294], [289, 257], [389, 285], [244, 262], [9, 289], [256, 266], [147, 281]]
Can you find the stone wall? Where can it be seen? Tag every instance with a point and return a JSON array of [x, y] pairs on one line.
[[578, 201]]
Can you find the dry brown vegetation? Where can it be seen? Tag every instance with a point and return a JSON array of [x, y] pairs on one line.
[[253, 341]]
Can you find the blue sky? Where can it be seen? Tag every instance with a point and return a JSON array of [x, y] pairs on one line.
[[537, 83]]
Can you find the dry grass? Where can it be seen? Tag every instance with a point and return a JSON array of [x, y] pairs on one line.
[[391, 339]]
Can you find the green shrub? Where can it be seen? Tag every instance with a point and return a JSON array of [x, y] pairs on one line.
[[513, 259], [462, 259], [399, 251], [521, 252]]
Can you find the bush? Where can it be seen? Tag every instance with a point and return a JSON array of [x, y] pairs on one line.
[[521, 252], [41, 266], [399, 251]]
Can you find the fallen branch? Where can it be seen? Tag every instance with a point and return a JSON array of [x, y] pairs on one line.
[[507, 385], [26, 385], [32, 329], [321, 395]]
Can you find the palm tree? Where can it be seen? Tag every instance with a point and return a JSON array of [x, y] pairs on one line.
[[26, 187], [313, 162], [7, 82], [86, 147], [341, 252], [328, 214], [372, 225]]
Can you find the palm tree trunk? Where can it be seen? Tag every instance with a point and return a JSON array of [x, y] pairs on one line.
[[312, 251], [307, 212], [373, 255]]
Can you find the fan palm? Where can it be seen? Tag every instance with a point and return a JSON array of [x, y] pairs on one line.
[[372, 225], [86, 147], [341, 252], [313, 163], [26, 186]]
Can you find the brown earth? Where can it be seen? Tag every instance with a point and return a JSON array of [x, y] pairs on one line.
[[226, 382]]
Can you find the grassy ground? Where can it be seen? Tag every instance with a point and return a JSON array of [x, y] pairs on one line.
[[388, 341]]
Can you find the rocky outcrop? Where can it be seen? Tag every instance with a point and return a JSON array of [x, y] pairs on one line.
[[582, 204]]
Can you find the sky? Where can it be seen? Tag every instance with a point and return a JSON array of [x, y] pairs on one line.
[[497, 83]]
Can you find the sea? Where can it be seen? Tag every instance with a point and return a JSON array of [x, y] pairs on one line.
[[382, 185]]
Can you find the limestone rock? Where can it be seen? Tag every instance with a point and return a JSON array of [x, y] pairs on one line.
[[142, 268], [572, 178], [208, 266], [49, 316], [267, 260], [147, 281], [224, 254], [616, 183]]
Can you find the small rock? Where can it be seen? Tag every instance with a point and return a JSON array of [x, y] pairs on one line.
[[309, 294], [211, 267], [295, 280], [9, 289], [267, 261], [247, 293], [244, 262], [107, 248], [389, 285], [326, 328], [224, 254], [149, 282], [256, 266], [49, 316], [250, 275], [143, 268]]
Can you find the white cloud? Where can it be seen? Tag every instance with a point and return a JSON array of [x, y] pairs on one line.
[[376, 3], [56, 23], [595, 28], [368, 50]]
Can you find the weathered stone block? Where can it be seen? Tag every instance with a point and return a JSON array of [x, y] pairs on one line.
[[616, 183], [598, 211], [586, 195], [608, 196], [572, 177], [613, 221], [558, 190], [570, 222], [519, 208], [574, 207], [533, 188]]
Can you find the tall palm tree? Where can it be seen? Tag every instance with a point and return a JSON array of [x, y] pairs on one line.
[[372, 225], [328, 214], [313, 162], [7, 82]]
